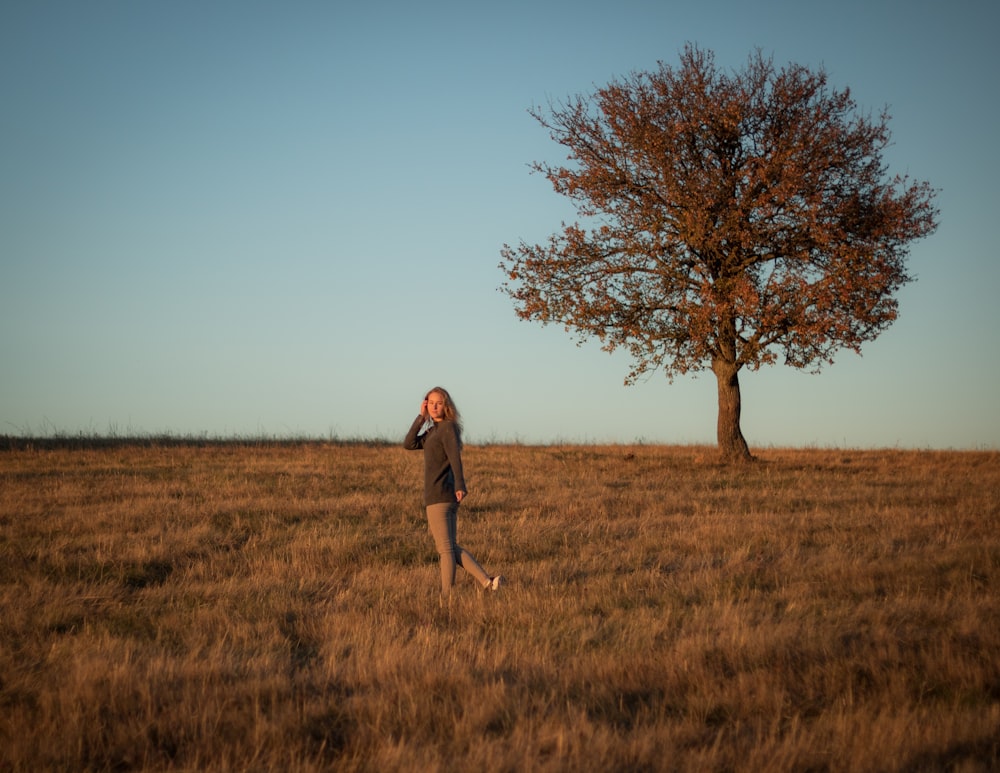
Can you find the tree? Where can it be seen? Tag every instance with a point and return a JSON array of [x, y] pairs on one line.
[[730, 217]]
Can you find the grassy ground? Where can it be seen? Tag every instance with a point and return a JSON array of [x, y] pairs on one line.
[[212, 606]]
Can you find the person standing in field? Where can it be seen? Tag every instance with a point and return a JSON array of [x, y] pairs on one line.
[[444, 485]]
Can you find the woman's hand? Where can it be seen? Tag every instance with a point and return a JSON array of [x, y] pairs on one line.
[[423, 408], [460, 495]]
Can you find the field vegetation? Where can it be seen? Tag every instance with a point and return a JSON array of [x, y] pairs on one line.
[[274, 606]]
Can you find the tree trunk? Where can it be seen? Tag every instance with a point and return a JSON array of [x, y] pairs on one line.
[[732, 444]]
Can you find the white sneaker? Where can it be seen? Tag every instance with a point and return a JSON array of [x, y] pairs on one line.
[[497, 582]]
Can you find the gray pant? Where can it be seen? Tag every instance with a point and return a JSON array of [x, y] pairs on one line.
[[442, 520]]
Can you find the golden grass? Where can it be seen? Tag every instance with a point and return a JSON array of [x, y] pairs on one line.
[[274, 606]]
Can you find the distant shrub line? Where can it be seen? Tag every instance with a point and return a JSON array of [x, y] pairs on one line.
[[84, 442]]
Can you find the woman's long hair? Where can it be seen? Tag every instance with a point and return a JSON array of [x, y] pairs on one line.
[[450, 409]]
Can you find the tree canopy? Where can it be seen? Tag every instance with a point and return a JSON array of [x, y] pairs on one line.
[[727, 219]]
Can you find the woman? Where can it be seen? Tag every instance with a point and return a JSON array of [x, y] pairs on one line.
[[444, 485]]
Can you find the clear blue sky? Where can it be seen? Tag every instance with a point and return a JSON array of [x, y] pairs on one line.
[[285, 218]]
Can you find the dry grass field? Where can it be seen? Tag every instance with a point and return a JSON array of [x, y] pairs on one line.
[[274, 606]]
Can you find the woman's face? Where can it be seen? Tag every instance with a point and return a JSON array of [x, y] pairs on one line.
[[435, 406]]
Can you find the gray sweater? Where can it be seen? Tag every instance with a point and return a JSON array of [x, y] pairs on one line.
[[443, 474]]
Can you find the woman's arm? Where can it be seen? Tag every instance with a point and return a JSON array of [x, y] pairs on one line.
[[454, 452], [414, 441]]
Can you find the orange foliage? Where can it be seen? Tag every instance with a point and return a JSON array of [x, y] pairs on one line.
[[729, 219]]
